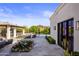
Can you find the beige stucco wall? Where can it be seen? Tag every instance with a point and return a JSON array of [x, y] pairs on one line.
[[66, 12]]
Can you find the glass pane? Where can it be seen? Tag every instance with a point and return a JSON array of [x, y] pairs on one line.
[[70, 28], [64, 28]]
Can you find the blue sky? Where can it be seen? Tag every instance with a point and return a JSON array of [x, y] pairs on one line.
[[27, 14]]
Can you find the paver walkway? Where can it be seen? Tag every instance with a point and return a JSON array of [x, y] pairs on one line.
[[41, 48]]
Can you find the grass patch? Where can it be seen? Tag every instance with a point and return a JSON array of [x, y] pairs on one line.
[[66, 53], [50, 40]]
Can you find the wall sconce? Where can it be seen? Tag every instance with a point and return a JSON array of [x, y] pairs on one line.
[[54, 27], [77, 25]]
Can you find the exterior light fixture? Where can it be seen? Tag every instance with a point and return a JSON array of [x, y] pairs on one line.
[[77, 25]]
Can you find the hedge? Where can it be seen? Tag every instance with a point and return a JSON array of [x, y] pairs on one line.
[[50, 40]]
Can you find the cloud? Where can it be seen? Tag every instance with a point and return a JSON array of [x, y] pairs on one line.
[[33, 16], [7, 15], [6, 10], [29, 15], [28, 19], [47, 13], [1, 9], [25, 19]]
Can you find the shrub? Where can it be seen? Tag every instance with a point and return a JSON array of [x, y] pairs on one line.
[[3, 43], [29, 36], [22, 46], [66, 53], [50, 40], [9, 41], [75, 54], [33, 36]]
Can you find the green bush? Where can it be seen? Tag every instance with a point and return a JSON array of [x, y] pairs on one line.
[[22, 46], [75, 53], [66, 53], [50, 40]]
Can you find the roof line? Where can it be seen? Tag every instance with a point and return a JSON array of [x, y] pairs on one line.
[[58, 9]]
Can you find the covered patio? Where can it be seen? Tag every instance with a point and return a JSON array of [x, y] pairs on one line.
[[9, 31]]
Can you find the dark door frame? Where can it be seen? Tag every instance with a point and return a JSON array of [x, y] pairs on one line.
[[70, 39]]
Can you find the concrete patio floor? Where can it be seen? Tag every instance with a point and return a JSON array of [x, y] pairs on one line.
[[41, 48]]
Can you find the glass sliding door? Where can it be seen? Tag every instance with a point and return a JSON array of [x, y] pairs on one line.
[[60, 30], [70, 34], [59, 34], [66, 34]]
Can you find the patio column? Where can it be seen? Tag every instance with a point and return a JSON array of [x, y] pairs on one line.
[[8, 32], [14, 32], [23, 31]]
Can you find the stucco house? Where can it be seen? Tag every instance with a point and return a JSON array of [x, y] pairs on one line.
[[64, 25]]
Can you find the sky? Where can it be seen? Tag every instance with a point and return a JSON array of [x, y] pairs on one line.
[[27, 14]]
